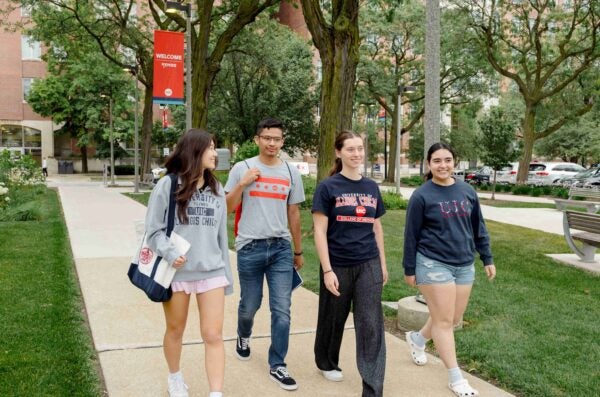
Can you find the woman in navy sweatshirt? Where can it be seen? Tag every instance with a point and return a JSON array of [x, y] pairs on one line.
[[444, 227]]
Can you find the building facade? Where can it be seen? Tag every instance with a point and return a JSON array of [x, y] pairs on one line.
[[21, 129]]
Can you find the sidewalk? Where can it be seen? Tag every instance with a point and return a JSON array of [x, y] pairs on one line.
[[127, 328]]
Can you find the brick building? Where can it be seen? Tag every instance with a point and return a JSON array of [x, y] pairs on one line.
[[21, 129]]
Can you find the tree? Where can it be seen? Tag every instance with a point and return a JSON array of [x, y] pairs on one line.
[[578, 141], [71, 95], [498, 146], [549, 51], [392, 55], [334, 29], [123, 32], [267, 72]]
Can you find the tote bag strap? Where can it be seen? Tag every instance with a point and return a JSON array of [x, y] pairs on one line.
[[170, 217], [172, 202]]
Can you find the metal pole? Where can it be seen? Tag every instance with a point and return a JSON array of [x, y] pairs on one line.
[[188, 69], [136, 182], [398, 137], [112, 148], [385, 154], [366, 139], [432, 75]]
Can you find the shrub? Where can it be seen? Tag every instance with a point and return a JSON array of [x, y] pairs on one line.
[[507, 188], [536, 192], [415, 180], [29, 211], [245, 151], [522, 189], [547, 190], [392, 201]]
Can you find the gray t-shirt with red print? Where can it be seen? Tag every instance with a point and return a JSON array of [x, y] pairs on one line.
[[265, 201], [351, 207], [445, 223]]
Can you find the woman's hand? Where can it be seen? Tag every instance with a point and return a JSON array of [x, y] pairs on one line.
[[490, 271], [331, 282], [179, 262], [385, 274], [410, 280]]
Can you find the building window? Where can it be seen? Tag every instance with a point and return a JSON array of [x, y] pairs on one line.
[[27, 82], [30, 49]]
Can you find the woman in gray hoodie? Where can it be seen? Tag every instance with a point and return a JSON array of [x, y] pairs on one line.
[[204, 270]]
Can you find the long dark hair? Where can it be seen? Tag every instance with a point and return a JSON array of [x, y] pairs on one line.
[[434, 148], [339, 144], [186, 162]]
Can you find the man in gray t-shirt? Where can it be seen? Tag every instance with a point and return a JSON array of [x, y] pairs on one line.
[[269, 191]]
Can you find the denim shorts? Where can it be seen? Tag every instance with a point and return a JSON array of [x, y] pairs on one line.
[[430, 271]]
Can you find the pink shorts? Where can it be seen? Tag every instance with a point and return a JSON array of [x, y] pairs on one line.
[[199, 286]]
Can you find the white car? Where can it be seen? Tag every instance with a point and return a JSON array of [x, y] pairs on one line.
[[507, 174], [541, 173]]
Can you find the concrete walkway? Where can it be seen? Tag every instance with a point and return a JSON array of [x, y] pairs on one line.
[[127, 328]]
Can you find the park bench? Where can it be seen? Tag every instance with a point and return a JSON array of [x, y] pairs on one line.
[[591, 203], [588, 226]]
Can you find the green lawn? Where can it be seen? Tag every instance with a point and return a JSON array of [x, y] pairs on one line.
[[45, 348], [533, 330]]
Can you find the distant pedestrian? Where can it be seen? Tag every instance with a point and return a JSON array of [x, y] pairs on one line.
[[347, 208], [269, 191], [443, 228], [45, 167], [204, 271]]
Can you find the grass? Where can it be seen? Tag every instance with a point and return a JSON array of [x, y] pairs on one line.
[[46, 347], [533, 330]]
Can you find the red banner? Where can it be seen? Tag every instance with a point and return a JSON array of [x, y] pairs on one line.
[[168, 67]]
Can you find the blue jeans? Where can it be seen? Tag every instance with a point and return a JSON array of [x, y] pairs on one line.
[[430, 271], [271, 258]]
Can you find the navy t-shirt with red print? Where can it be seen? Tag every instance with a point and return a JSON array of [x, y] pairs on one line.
[[351, 207]]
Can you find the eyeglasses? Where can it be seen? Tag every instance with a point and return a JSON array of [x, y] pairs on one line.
[[274, 139]]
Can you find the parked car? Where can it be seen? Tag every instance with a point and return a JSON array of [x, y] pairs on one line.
[[481, 176], [542, 173], [507, 174], [587, 178]]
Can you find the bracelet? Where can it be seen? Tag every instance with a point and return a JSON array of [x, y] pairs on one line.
[[328, 271], [298, 253]]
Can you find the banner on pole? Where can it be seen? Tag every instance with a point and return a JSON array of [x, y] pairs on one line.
[[168, 67]]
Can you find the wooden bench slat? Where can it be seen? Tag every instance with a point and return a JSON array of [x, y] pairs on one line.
[[589, 238]]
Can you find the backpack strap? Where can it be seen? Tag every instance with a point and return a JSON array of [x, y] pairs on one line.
[[170, 215], [291, 181]]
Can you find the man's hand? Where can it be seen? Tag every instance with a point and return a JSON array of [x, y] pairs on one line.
[[250, 176]]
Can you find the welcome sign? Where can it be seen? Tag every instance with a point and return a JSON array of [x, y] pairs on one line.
[[168, 67]]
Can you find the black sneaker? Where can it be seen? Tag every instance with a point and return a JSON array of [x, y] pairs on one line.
[[242, 348], [283, 378]]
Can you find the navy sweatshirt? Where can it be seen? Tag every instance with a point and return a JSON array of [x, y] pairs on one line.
[[444, 223]]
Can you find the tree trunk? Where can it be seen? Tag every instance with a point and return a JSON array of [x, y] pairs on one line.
[[84, 159], [146, 135], [528, 141], [337, 97], [393, 141], [202, 83]]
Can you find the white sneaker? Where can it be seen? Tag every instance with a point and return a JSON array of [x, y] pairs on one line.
[[334, 375], [177, 388]]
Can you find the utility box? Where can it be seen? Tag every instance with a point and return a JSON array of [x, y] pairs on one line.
[[224, 159]]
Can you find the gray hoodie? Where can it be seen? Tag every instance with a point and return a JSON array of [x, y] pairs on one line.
[[205, 230]]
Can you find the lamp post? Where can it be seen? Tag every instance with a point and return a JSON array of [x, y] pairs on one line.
[[173, 7], [401, 89], [110, 138], [136, 183]]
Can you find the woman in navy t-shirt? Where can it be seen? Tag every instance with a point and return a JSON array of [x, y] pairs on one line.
[[444, 227], [349, 240]]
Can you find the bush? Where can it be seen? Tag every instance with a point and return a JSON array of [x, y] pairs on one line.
[[547, 190], [536, 192], [522, 189], [392, 201], [247, 150], [507, 188], [124, 169], [415, 180]]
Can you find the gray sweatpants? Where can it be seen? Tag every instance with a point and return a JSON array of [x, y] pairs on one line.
[[360, 287]]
